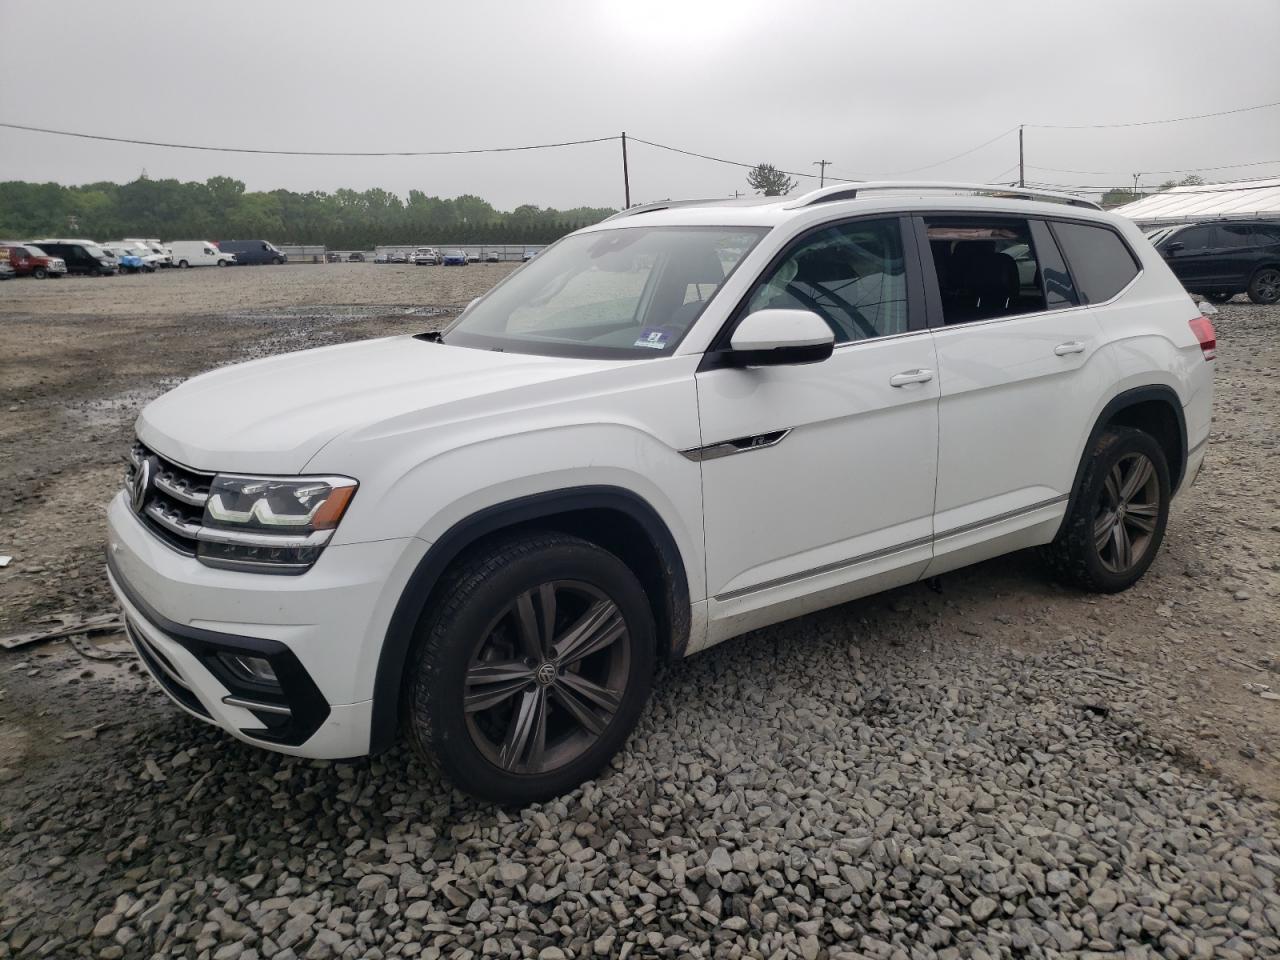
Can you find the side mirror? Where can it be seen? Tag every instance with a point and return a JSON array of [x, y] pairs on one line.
[[1174, 247], [770, 338]]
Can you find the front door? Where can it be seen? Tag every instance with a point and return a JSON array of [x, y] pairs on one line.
[[1191, 256], [818, 479]]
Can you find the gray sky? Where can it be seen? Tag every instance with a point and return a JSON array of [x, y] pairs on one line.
[[877, 88]]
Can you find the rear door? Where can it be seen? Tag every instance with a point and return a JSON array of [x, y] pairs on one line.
[[1237, 254], [1016, 357]]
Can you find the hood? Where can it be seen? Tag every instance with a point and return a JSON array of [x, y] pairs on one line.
[[274, 415]]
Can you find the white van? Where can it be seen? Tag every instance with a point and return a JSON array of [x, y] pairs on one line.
[[199, 253]]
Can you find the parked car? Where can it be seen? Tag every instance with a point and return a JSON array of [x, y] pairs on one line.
[[398, 256], [493, 256], [127, 260], [137, 248], [252, 252], [80, 256], [199, 253], [30, 261], [426, 255], [1220, 259], [528, 255], [473, 257], [382, 258], [156, 247], [332, 256], [665, 431], [355, 257], [6, 270], [454, 258]]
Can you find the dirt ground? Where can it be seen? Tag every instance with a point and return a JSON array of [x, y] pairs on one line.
[[1192, 653]]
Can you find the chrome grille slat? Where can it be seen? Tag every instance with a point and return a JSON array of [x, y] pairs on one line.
[[174, 505]]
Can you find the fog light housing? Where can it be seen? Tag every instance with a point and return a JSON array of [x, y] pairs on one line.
[[251, 669]]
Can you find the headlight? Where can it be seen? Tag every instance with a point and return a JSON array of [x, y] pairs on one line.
[[272, 524]]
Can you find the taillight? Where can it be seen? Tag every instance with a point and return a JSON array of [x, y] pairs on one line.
[[1204, 332]]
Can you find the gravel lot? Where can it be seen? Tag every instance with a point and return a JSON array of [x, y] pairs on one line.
[[993, 768]]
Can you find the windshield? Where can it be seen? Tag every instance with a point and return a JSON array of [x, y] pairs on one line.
[[626, 293]]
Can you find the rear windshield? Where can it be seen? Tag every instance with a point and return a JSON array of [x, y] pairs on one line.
[[629, 292]]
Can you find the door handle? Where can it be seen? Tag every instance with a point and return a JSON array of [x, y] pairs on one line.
[[910, 376], [1071, 346]]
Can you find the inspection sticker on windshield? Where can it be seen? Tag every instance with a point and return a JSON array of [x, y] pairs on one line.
[[653, 339]]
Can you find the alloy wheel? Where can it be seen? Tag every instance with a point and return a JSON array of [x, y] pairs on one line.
[[1266, 286], [547, 677], [1128, 513]]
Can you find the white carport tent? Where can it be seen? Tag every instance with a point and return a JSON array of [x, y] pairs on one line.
[[1246, 200]]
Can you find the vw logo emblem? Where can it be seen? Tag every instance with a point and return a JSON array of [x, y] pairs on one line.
[[546, 673], [140, 486]]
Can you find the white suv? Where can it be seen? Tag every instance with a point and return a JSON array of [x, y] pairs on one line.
[[668, 429]]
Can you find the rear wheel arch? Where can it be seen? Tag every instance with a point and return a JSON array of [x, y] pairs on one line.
[[614, 518], [1155, 410]]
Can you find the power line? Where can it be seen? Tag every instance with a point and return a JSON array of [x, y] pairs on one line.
[[735, 163], [965, 153], [1106, 173], [306, 153], [1150, 123]]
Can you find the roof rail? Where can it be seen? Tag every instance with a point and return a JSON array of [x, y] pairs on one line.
[[849, 191], [661, 205]]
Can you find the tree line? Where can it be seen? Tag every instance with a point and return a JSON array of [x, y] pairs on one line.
[[221, 208]]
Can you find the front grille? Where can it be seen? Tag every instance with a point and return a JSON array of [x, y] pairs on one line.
[[173, 497]]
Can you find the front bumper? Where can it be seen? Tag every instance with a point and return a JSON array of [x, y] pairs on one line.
[[320, 632]]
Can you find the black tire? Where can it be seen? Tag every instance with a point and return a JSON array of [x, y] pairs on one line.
[[465, 635], [183, 264], [277, 261], [39, 273], [222, 263], [1264, 285], [1219, 296], [1076, 556]]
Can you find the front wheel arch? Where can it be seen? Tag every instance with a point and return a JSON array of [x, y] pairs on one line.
[[655, 559]]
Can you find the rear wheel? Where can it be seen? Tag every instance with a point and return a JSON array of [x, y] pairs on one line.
[[534, 669], [183, 264], [39, 273], [1264, 286], [1117, 521]]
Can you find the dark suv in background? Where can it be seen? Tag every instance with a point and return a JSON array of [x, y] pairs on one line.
[[1221, 259]]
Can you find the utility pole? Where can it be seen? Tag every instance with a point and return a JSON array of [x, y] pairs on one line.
[[822, 171], [626, 177], [1022, 173], [1135, 184]]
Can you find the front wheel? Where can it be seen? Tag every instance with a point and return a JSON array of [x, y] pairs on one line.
[[534, 670], [39, 273], [1117, 520], [1264, 286], [183, 264]]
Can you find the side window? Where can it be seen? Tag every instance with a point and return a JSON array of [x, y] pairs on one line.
[[986, 267], [1266, 234], [209, 251], [1193, 240], [1099, 260], [1235, 235], [853, 275]]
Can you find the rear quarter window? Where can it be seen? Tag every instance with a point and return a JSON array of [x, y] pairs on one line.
[[1100, 262]]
